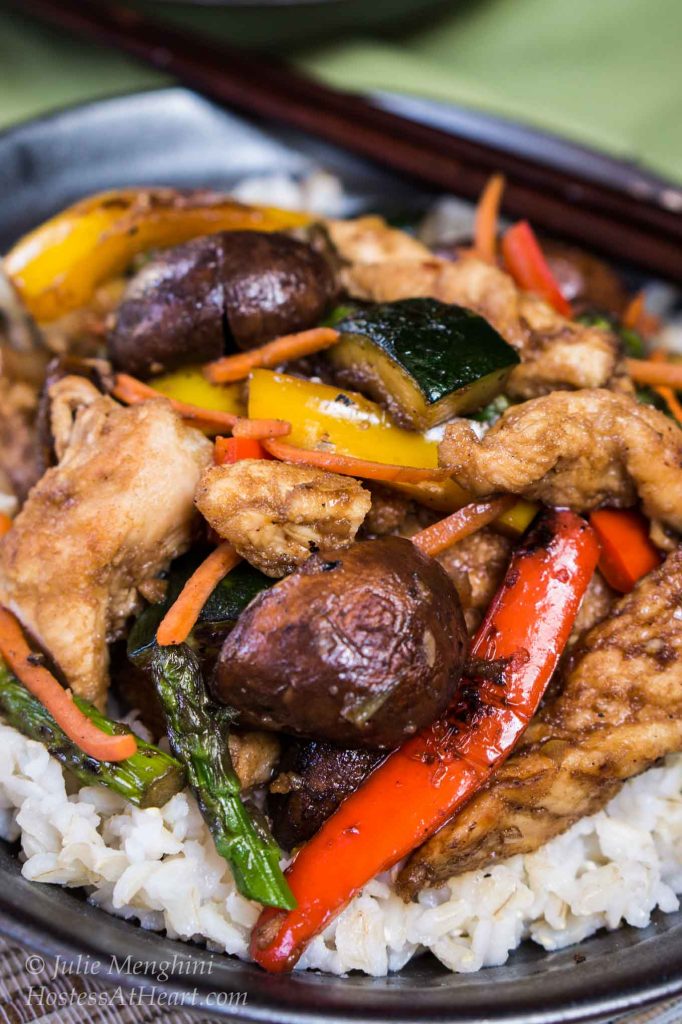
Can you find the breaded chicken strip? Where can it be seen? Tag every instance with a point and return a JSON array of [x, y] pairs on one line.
[[277, 515], [385, 265], [619, 711], [114, 511], [576, 449], [476, 565]]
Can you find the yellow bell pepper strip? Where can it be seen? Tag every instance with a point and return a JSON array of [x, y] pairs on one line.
[[328, 419], [190, 386], [131, 391], [59, 265], [516, 520]]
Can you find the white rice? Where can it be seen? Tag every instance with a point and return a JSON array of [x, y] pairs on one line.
[[160, 866]]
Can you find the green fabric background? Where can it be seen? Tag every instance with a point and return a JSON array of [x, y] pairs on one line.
[[604, 72]]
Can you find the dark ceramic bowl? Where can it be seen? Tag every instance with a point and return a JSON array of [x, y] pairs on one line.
[[173, 137]]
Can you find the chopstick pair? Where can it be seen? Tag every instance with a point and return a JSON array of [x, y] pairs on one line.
[[590, 213]]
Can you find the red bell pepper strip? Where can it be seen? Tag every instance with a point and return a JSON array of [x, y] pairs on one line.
[[627, 553], [233, 449], [418, 787], [526, 263]]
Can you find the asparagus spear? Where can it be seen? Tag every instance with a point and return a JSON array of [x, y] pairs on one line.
[[198, 732], [148, 779]]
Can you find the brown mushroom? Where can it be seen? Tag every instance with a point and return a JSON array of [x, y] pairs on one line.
[[363, 650], [196, 301]]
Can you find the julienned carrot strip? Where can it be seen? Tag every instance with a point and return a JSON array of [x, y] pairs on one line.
[[627, 552], [347, 465], [261, 430], [281, 350], [633, 311], [465, 521], [485, 222], [655, 374], [5, 524], [525, 261], [637, 317], [672, 401], [424, 782], [181, 617], [132, 391], [58, 701], [666, 393], [233, 449]]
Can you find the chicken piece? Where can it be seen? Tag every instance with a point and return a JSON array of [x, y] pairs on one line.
[[66, 398], [620, 710], [394, 514], [111, 514], [597, 603], [277, 515], [19, 455], [385, 265], [558, 353], [580, 449], [254, 756], [476, 565], [370, 240]]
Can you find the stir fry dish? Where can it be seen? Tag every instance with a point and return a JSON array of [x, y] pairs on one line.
[[363, 552]]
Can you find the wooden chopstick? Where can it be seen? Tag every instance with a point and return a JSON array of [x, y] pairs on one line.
[[621, 226]]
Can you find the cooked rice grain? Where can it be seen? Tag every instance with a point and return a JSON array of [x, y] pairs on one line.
[[160, 866]]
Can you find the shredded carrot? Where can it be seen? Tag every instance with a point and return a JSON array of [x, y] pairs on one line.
[[5, 524], [666, 393], [633, 312], [485, 223], [637, 318], [261, 429], [132, 391], [181, 617], [58, 701], [348, 465], [281, 350], [655, 373], [465, 521]]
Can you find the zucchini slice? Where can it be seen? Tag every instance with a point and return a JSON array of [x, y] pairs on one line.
[[222, 609], [424, 360]]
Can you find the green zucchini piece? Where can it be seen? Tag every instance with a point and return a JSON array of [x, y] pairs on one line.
[[424, 360], [219, 614]]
